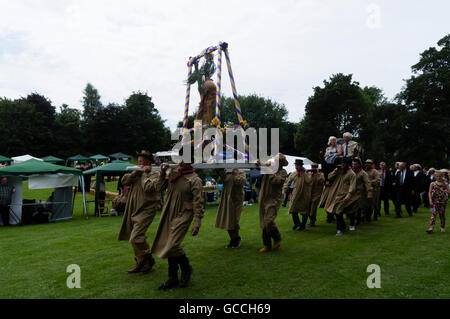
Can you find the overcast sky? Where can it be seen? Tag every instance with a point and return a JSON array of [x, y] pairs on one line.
[[278, 49]]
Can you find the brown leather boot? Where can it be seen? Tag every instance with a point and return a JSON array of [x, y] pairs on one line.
[[264, 249], [147, 263], [136, 269], [277, 244]]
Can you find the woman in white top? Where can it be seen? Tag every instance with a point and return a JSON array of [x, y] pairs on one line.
[[332, 151]]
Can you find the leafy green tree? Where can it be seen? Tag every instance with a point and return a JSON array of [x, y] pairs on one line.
[[426, 96], [44, 118], [109, 129], [144, 127], [67, 133], [20, 128], [259, 112], [91, 102], [92, 106]]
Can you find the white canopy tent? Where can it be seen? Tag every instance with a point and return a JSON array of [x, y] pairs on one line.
[[23, 158], [42, 175], [291, 159]]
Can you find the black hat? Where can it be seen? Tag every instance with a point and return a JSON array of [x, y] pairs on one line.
[[338, 160], [357, 159], [147, 155], [298, 161]]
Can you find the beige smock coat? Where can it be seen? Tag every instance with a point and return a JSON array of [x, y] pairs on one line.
[[344, 186], [143, 198], [301, 194], [374, 180], [231, 201], [318, 180], [269, 199], [184, 203], [363, 188]]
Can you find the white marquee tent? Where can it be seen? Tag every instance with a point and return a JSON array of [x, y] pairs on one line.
[[23, 158]]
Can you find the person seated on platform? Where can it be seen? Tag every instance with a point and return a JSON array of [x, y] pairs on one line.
[[332, 151], [6, 192], [350, 147]]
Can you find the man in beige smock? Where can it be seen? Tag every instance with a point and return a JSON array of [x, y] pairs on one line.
[[230, 207], [184, 203], [142, 202]]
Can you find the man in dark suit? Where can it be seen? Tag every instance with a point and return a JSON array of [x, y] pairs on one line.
[[385, 187], [404, 183]]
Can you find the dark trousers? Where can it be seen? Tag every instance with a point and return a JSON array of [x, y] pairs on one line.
[[398, 207], [353, 219], [425, 198], [268, 235], [296, 219], [384, 197], [340, 223], [4, 210], [367, 211], [359, 217], [416, 201]]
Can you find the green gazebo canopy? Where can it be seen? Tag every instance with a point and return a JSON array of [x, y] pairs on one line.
[[115, 167], [99, 157], [52, 159], [5, 159], [33, 166], [78, 158]]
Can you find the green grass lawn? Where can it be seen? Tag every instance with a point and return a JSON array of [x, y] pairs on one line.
[[313, 264]]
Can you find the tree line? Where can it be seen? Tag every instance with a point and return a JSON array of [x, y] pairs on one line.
[[413, 127], [32, 125]]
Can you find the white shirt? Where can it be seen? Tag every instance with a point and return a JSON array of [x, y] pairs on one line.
[[402, 176]]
